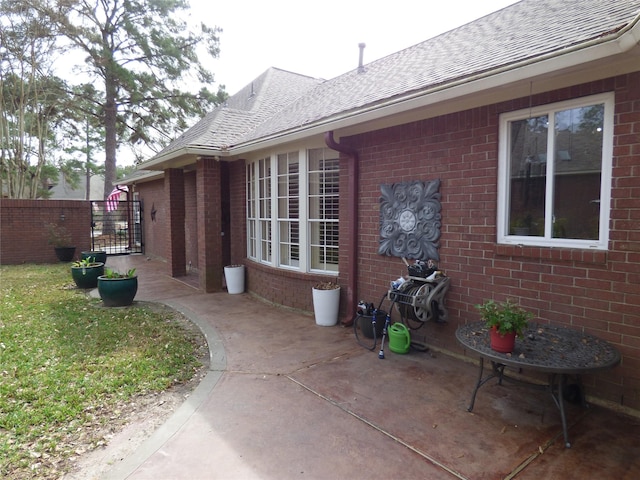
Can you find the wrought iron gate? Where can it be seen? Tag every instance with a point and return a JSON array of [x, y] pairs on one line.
[[117, 229]]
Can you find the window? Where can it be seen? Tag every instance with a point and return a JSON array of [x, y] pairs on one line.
[[259, 210], [323, 209], [296, 226], [289, 209], [555, 174]]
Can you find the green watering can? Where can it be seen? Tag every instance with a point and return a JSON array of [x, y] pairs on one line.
[[399, 338]]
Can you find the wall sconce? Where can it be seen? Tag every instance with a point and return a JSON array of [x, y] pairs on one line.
[[62, 215]]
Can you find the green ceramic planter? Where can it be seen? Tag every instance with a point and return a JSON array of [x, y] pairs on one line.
[[117, 292], [65, 254], [96, 255], [87, 277]]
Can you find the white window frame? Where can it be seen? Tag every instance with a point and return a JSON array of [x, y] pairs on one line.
[[503, 234], [255, 221], [284, 202]]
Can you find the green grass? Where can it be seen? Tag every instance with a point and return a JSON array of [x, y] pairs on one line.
[[68, 365]]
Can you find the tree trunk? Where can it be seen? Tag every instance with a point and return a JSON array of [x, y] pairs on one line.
[[110, 145]]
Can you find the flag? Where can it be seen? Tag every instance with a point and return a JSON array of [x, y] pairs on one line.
[[114, 197]]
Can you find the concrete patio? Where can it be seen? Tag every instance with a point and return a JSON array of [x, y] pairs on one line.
[[285, 399]]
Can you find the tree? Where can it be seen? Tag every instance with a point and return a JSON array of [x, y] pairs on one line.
[[139, 54], [32, 102]]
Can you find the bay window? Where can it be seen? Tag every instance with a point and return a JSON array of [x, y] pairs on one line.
[[292, 210]]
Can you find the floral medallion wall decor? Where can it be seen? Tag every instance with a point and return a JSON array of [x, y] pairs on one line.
[[410, 220]]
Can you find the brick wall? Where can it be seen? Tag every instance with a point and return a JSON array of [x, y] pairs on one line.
[[174, 189], [190, 220], [208, 179], [592, 289], [237, 176], [23, 233]]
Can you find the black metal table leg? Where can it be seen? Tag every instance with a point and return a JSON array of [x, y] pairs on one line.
[[563, 416]]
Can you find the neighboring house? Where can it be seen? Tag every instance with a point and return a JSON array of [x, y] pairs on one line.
[[529, 118], [62, 190]]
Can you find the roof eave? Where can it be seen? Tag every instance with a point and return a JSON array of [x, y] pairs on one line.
[[183, 156]]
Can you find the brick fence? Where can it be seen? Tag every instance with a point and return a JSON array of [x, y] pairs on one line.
[[23, 228]]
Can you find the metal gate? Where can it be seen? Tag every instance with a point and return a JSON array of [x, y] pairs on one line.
[[117, 229]]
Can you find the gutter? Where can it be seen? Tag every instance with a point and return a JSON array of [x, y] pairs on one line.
[[352, 217]]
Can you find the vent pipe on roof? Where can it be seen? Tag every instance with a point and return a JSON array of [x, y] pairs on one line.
[[360, 60]]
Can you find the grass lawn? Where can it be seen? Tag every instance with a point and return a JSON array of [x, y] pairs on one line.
[[68, 365]]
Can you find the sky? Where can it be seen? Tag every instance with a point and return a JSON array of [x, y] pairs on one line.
[[320, 39]]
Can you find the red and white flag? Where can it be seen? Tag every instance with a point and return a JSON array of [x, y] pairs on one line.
[[114, 197]]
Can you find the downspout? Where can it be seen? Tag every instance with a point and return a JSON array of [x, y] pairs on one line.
[[352, 211]]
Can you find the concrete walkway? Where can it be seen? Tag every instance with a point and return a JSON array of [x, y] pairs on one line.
[[287, 399]]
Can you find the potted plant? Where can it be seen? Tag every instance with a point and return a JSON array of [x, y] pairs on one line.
[[97, 255], [505, 320], [522, 225], [62, 242], [85, 272], [326, 303], [117, 289]]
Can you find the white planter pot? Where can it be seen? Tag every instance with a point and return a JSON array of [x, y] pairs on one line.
[[234, 276], [326, 304]]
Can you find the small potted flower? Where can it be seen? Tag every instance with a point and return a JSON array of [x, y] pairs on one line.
[[326, 303], [85, 272], [505, 321]]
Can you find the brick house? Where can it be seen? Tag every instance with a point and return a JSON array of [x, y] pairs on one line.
[[529, 118]]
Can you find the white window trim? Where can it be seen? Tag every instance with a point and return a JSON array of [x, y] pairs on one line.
[[305, 257], [503, 237], [302, 218]]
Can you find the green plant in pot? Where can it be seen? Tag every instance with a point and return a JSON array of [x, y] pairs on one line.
[[118, 289], [85, 272], [62, 242], [97, 255], [522, 225], [506, 320]]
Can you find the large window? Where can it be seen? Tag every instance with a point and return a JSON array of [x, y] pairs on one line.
[[259, 210], [292, 210], [289, 209], [555, 174], [323, 209]]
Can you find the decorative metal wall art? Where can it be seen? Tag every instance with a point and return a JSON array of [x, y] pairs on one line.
[[410, 220]]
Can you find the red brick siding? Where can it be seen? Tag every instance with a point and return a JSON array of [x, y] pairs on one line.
[[191, 220], [174, 190], [209, 224], [591, 289], [23, 233], [237, 176]]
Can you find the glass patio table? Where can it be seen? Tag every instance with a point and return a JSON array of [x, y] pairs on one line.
[[555, 350]]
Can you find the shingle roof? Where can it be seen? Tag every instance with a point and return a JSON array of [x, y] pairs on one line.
[[261, 99], [525, 31]]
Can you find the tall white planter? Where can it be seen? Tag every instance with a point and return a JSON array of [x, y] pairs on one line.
[[326, 304], [234, 276]]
